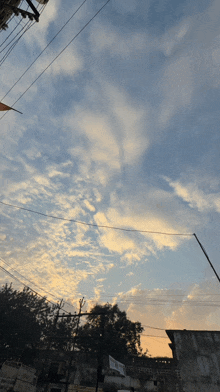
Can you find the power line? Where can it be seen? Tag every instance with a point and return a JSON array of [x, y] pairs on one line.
[[14, 277], [163, 295], [169, 303], [45, 48], [159, 294], [47, 292], [159, 341], [154, 336], [163, 302], [116, 228], [16, 26], [92, 224], [59, 54], [205, 253], [147, 326], [20, 21], [29, 24]]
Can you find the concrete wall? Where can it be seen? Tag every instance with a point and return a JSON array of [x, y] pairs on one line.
[[17, 376], [198, 356]]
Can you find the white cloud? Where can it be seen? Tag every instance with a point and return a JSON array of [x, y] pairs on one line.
[[103, 37], [174, 36], [132, 122], [37, 33], [177, 87], [195, 197], [103, 147], [89, 206], [67, 64]]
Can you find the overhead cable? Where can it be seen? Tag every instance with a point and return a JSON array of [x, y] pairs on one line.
[[75, 12], [153, 336], [14, 277], [11, 32], [14, 270], [59, 54], [93, 224], [42, 289], [148, 326], [205, 253], [20, 22], [27, 26]]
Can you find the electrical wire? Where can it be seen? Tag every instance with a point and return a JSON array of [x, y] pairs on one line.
[[148, 301], [28, 25], [92, 224], [75, 12], [14, 277], [45, 291], [21, 20], [14, 270], [18, 23], [10, 42], [153, 336], [159, 341], [15, 43], [158, 294], [163, 295], [59, 54], [173, 303], [147, 326]]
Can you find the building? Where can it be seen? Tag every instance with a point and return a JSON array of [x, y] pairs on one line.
[[17, 377], [195, 367], [197, 355], [147, 374]]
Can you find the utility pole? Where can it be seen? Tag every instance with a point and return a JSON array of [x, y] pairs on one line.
[[50, 339], [81, 304], [100, 353], [203, 249]]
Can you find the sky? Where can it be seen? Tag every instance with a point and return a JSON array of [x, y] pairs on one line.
[[121, 130]]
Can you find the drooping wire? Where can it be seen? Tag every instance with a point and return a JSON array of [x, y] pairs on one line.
[[16, 26], [9, 22], [18, 280], [27, 26], [14, 270], [45, 291], [148, 326], [207, 257], [75, 12], [21, 20], [93, 224], [153, 336], [34, 291], [45, 69]]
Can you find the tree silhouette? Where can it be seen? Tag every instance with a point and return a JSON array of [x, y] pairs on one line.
[[27, 323], [109, 327]]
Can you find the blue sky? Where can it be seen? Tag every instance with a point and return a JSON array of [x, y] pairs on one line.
[[121, 130]]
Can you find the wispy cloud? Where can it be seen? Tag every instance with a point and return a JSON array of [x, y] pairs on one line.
[[121, 131]]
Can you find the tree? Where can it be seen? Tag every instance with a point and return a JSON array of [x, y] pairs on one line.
[[109, 328], [27, 322]]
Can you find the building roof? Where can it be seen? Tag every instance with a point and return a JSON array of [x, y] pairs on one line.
[[171, 332]]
